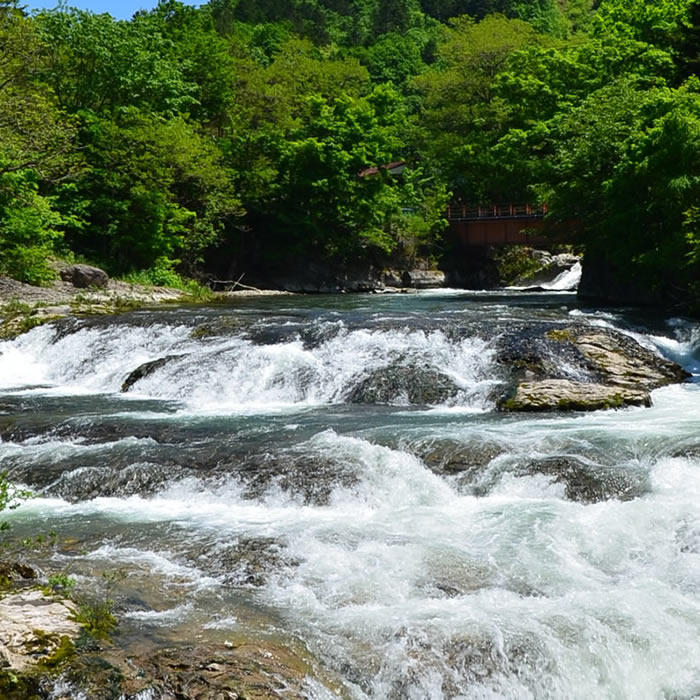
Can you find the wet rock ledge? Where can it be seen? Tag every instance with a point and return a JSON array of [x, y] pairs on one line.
[[580, 368]]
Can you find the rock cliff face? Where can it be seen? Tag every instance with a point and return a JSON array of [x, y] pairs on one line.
[[580, 368]]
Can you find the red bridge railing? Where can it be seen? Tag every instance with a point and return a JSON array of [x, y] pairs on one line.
[[467, 212]]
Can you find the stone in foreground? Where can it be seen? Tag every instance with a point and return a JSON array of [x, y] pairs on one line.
[[31, 627]]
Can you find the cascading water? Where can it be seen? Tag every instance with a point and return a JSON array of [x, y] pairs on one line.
[[334, 469], [567, 280]]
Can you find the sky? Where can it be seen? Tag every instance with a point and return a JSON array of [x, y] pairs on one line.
[[120, 9]]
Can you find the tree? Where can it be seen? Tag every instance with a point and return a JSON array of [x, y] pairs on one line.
[[155, 193], [627, 166], [36, 144], [463, 114], [99, 64]]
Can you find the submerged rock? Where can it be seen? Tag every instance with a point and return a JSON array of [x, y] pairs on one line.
[[579, 368], [140, 479], [591, 483], [448, 457], [308, 478], [242, 669], [246, 562]]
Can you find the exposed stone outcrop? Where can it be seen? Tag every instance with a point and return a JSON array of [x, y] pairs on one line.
[[579, 368], [45, 653], [565, 395], [228, 671]]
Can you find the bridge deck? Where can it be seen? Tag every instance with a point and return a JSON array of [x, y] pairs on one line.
[[496, 224]]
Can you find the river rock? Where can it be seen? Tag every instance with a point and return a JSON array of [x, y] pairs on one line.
[[448, 457], [404, 384], [548, 267], [565, 395], [84, 276], [246, 562], [308, 478], [146, 369], [141, 479], [586, 482], [423, 279], [234, 670], [31, 627], [580, 368]]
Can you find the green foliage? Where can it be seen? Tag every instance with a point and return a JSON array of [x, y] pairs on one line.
[[96, 613], [28, 228], [162, 274], [155, 190], [61, 582], [514, 263], [627, 166], [97, 63], [233, 136], [11, 497]]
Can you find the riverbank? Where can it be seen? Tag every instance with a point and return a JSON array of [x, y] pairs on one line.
[[24, 306]]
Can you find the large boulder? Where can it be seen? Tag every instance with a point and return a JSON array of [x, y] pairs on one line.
[[581, 368], [84, 276]]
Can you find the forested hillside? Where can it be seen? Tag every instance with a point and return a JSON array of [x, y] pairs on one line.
[[251, 134]]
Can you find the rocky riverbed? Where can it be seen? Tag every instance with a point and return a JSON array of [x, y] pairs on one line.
[[309, 495], [49, 649]]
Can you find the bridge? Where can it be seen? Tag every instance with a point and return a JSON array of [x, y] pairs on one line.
[[496, 224]]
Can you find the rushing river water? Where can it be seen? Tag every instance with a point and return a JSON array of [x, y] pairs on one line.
[[251, 484]]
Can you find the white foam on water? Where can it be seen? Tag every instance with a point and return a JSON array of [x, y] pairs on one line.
[[236, 374], [566, 280], [423, 591], [518, 594], [160, 617], [90, 360]]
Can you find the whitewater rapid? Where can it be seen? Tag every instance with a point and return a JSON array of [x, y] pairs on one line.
[[418, 552]]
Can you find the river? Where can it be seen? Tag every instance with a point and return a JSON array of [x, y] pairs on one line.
[[255, 484]]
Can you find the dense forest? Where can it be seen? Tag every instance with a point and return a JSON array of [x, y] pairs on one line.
[[248, 135]]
